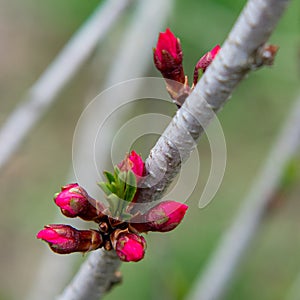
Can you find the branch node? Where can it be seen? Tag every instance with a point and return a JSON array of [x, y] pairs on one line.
[[264, 56]]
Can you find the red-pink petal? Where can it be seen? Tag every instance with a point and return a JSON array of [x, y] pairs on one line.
[[207, 58], [167, 41], [165, 216], [51, 236], [215, 51], [72, 200], [138, 164], [130, 247]]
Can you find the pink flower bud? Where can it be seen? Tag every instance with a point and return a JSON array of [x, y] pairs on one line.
[[168, 56], [165, 216], [74, 201], [134, 163], [130, 247], [167, 41], [207, 58], [138, 164], [205, 61], [64, 239]]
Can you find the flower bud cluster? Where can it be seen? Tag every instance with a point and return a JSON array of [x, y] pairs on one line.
[[118, 228]]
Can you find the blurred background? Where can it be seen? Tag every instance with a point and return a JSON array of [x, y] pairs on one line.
[[31, 34]]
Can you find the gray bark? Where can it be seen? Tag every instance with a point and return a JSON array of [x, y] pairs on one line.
[[100, 266], [238, 56]]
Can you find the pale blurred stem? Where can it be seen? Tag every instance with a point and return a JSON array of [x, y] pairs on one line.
[[239, 55], [214, 280], [59, 73], [37, 101]]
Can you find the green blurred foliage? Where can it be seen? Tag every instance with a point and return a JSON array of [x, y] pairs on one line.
[[291, 175], [33, 33]]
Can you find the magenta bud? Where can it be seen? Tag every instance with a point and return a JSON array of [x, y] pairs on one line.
[[205, 61], [65, 239], [134, 163], [130, 247], [168, 56], [207, 58], [165, 216], [74, 201], [137, 164]]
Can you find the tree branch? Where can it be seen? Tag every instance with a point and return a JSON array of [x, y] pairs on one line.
[[100, 266], [238, 56], [43, 93], [132, 61], [214, 281], [236, 59]]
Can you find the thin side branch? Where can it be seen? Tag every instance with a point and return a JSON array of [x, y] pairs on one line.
[[68, 62], [237, 58], [215, 278]]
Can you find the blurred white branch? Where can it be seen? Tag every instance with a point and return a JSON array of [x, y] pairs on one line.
[[212, 284], [65, 66], [41, 95]]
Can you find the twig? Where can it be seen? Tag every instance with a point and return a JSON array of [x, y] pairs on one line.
[[214, 280], [238, 56], [43, 93], [93, 282]]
